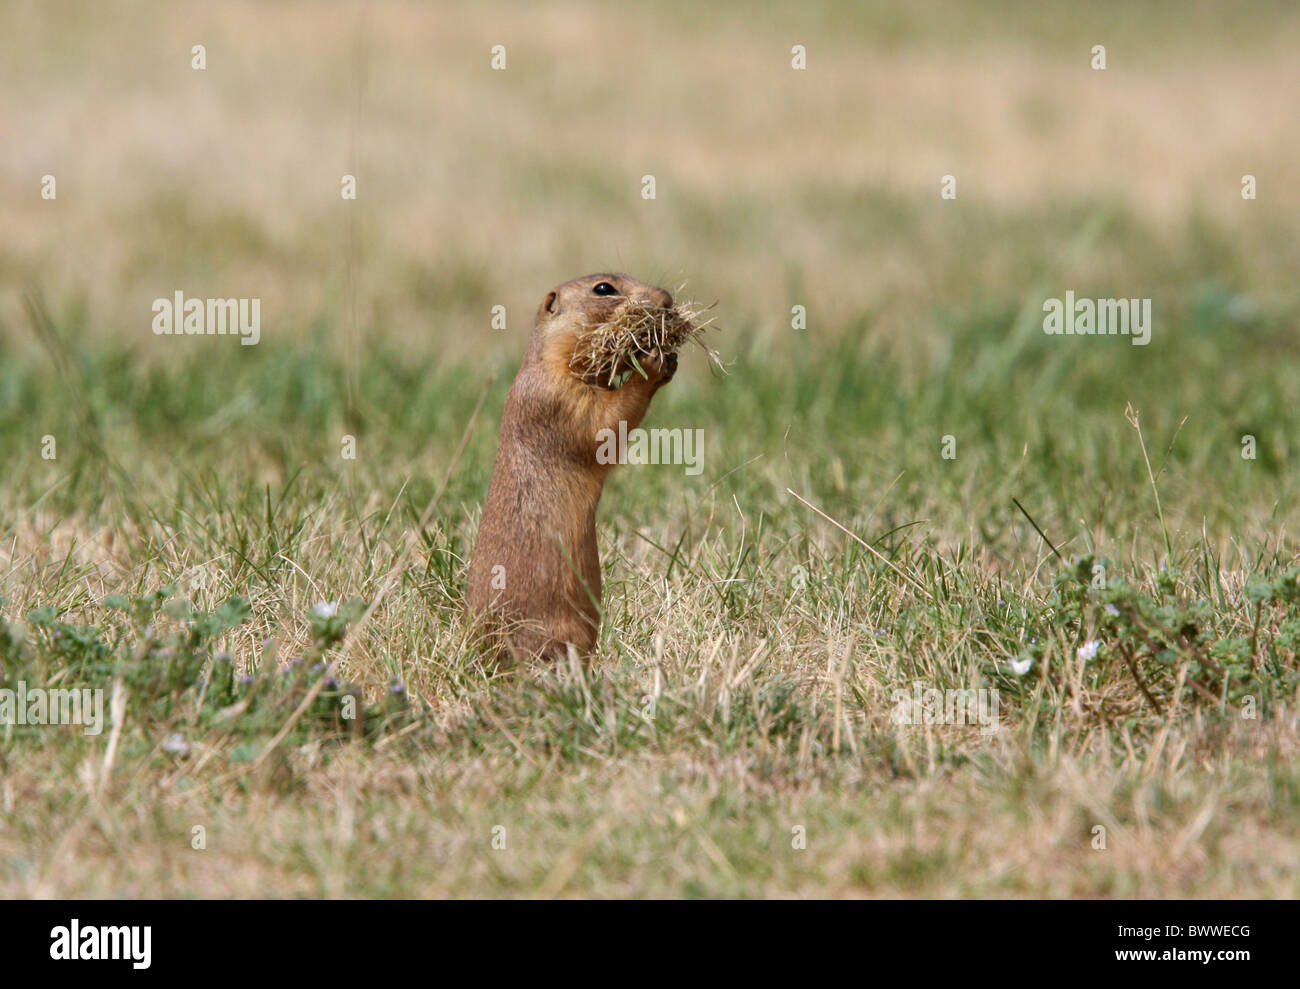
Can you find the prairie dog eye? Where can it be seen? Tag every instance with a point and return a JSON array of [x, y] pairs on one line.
[[604, 288]]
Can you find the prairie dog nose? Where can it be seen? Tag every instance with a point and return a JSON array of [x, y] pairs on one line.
[[658, 297]]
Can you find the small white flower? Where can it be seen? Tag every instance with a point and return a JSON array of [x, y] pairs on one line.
[[325, 609], [1088, 650], [1021, 666], [176, 745], [1112, 610]]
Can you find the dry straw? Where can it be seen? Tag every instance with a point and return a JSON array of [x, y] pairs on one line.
[[615, 348]]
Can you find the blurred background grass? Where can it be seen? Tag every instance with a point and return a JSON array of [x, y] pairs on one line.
[[479, 188]]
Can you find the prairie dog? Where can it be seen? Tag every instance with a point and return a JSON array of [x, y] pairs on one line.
[[534, 578]]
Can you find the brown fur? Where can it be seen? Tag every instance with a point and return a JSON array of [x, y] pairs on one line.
[[539, 522]]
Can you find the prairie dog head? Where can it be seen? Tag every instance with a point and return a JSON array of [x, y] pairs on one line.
[[585, 302]]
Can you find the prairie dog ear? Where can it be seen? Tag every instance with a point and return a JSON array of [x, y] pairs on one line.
[[548, 310]]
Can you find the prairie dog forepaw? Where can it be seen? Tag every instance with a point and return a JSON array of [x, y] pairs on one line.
[[669, 369], [659, 368]]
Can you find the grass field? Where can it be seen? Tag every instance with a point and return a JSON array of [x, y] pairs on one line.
[[173, 510]]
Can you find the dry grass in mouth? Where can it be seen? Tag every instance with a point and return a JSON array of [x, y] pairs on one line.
[[638, 330]]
